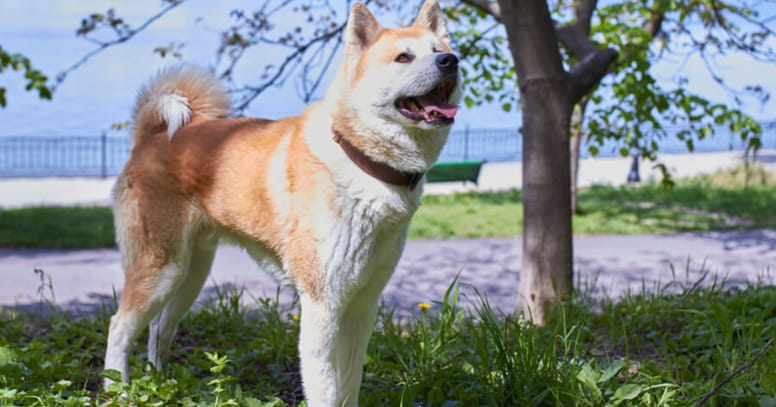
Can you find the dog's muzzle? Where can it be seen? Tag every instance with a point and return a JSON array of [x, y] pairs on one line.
[[447, 63], [435, 107]]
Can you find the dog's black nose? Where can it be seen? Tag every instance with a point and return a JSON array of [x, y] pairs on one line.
[[447, 63]]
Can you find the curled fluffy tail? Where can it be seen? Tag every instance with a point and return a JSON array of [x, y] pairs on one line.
[[174, 96]]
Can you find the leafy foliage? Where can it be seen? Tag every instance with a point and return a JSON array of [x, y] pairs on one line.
[[36, 80], [632, 107], [488, 72]]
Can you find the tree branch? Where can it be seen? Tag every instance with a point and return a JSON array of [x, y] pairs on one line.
[[489, 7], [309, 91], [576, 37], [584, 14], [588, 72], [121, 39], [575, 41], [255, 91], [654, 23], [734, 373]]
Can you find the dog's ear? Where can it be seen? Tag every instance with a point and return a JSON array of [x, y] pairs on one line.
[[361, 31], [432, 18]]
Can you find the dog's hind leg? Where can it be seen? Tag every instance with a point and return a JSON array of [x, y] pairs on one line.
[[154, 255], [162, 328], [146, 290]]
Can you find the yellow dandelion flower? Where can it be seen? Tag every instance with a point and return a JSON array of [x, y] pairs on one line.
[[424, 306], [295, 317]]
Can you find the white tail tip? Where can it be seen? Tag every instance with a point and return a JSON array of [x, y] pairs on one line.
[[174, 110]]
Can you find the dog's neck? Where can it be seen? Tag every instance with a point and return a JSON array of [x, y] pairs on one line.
[[379, 170]]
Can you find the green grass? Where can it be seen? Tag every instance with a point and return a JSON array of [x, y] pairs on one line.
[[57, 227], [468, 215], [646, 349], [725, 200]]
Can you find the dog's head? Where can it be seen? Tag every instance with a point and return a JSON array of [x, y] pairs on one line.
[[407, 77]]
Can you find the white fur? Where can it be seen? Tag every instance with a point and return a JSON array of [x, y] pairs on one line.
[[359, 233], [381, 123], [358, 254], [161, 102], [174, 110]]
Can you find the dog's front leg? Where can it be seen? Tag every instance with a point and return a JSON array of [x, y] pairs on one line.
[[317, 353], [355, 329], [332, 349]]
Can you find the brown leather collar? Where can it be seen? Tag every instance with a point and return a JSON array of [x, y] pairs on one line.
[[381, 171]]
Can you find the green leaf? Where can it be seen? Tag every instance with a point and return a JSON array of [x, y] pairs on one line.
[[111, 374], [7, 356], [588, 376], [61, 385], [626, 392], [611, 371], [768, 382], [766, 401]]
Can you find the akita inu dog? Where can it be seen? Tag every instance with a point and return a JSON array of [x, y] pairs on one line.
[[321, 200]]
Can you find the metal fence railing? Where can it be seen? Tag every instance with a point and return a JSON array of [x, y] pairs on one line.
[[507, 144], [104, 156], [77, 156]]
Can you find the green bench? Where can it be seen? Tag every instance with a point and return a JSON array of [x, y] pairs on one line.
[[455, 171]]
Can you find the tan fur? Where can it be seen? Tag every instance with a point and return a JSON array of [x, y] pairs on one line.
[[207, 98], [285, 191], [209, 171]]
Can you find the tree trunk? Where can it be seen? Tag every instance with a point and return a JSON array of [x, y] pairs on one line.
[[546, 272], [577, 119]]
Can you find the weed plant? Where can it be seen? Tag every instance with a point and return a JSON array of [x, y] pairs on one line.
[[678, 344]]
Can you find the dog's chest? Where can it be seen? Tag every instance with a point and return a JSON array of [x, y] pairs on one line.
[[366, 239]]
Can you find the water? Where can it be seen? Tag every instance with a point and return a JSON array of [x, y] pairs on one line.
[[105, 155], [102, 91]]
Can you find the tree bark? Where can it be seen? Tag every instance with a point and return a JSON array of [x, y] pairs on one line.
[[546, 270]]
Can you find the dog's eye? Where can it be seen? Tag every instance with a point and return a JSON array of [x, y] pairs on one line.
[[404, 58]]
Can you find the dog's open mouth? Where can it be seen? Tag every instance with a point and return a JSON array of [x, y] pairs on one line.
[[433, 107]]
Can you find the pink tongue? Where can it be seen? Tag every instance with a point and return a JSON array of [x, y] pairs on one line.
[[445, 109]]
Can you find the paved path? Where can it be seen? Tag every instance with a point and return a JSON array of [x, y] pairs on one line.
[[84, 279]]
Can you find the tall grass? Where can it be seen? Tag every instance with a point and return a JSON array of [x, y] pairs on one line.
[[675, 345]]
